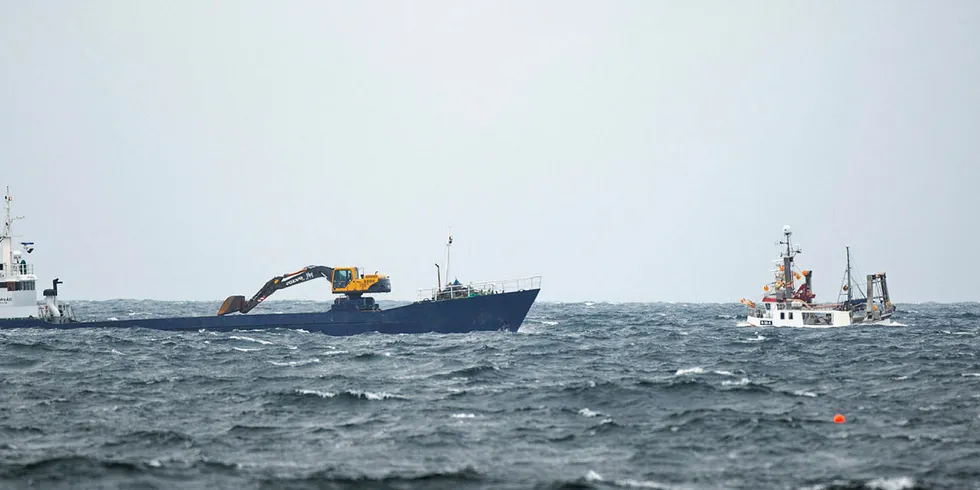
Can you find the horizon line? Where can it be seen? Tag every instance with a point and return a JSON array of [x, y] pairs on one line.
[[594, 301]]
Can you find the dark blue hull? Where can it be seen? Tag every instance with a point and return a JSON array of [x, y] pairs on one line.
[[504, 311]]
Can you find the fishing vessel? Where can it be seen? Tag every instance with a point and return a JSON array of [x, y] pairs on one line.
[[785, 305], [453, 308]]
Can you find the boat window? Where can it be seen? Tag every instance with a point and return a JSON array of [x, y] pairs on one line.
[[782, 315], [791, 315], [341, 278]]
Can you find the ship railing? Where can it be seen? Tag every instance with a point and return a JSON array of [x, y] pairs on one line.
[[67, 313], [797, 305], [17, 270], [456, 291]]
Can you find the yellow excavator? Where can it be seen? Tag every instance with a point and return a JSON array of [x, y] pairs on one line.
[[343, 280]]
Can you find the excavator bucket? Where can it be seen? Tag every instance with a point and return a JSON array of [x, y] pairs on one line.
[[231, 305]]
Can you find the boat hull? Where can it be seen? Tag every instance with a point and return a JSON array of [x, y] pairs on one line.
[[502, 311], [811, 318]]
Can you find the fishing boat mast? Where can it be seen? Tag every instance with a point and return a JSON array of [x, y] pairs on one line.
[[849, 296], [787, 266]]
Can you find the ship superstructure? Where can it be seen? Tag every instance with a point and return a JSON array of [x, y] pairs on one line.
[[18, 284]]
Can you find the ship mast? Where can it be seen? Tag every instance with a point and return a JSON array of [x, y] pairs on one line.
[[788, 258], [848, 275], [448, 245], [7, 239], [6, 206]]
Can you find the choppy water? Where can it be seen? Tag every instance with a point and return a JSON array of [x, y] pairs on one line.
[[585, 396]]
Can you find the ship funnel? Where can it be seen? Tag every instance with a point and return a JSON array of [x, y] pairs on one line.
[[51, 298], [52, 304]]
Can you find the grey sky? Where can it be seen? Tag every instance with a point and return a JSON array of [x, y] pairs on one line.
[[625, 151]]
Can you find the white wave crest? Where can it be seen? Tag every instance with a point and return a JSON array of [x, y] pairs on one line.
[[374, 396], [900, 483], [250, 339], [321, 394], [295, 363], [741, 382], [693, 370]]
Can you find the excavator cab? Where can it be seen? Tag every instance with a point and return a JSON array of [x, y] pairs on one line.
[[343, 280]]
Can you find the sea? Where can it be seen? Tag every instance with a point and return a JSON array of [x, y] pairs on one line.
[[584, 396]]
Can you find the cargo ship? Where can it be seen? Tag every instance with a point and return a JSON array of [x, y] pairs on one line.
[[451, 308]]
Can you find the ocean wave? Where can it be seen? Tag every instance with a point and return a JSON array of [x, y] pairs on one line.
[[615, 396]]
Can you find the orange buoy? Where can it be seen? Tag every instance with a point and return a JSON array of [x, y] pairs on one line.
[[839, 419]]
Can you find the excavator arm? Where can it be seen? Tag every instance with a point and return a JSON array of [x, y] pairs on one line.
[[237, 304]]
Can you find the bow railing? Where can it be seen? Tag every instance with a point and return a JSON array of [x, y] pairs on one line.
[[467, 290]]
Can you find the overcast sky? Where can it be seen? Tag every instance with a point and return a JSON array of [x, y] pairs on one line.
[[625, 151]]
